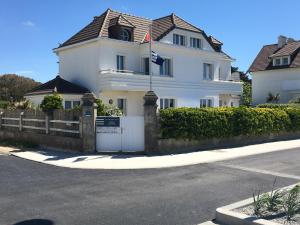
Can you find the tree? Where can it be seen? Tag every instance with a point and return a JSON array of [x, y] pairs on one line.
[[13, 87], [247, 94], [51, 102]]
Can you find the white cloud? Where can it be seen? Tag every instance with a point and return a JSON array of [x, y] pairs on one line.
[[28, 23]]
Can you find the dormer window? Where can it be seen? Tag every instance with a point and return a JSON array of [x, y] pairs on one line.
[[285, 61], [125, 34], [281, 61]]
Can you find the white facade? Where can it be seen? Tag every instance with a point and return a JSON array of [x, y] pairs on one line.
[[92, 64], [286, 82]]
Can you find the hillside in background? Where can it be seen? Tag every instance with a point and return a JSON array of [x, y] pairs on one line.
[[13, 87]]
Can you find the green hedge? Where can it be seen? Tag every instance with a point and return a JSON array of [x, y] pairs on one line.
[[276, 106], [196, 123]]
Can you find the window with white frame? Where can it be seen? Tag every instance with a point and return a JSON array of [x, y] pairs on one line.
[[122, 105], [277, 62], [71, 104], [145, 65], [195, 43], [120, 62], [207, 71], [205, 102], [167, 103], [285, 61], [166, 68], [179, 39]]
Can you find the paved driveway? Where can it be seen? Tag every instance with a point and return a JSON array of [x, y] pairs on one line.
[[183, 195]]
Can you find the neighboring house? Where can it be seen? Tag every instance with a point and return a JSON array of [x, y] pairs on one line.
[[276, 70], [71, 93], [111, 58]]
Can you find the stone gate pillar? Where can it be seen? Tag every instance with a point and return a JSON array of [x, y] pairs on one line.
[[89, 113], [151, 123]]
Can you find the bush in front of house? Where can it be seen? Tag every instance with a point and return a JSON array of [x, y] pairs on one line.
[[107, 110], [203, 123], [51, 102], [280, 106], [4, 104]]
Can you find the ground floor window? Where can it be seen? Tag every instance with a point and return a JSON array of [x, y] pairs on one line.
[[71, 104], [205, 102], [167, 103], [122, 105]]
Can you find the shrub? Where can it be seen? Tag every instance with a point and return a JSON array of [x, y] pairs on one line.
[[51, 102], [280, 106], [201, 123], [291, 202], [4, 104], [107, 110]]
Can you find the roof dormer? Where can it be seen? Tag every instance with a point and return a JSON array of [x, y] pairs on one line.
[[120, 28]]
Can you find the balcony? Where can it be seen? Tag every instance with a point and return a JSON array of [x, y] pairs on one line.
[[137, 81]]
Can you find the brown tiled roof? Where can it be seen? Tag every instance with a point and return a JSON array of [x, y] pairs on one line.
[[160, 27], [60, 85], [263, 59], [287, 50]]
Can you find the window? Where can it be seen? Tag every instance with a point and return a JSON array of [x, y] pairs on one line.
[[167, 103], [285, 61], [122, 105], [205, 102], [165, 68], [120, 62], [125, 34], [195, 43], [68, 105], [277, 62], [178, 39], [145, 63], [207, 71], [71, 104]]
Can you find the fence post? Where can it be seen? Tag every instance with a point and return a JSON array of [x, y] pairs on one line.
[[150, 118], [21, 121], [89, 114], [47, 128], [80, 127], [1, 115]]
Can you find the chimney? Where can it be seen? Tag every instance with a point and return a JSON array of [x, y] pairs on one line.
[[281, 41], [290, 40]]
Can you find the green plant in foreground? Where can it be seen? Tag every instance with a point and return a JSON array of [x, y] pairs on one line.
[[273, 200], [258, 204], [291, 202]]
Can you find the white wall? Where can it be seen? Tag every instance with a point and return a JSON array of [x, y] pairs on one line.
[[275, 81], [79, 65], [37, 99]]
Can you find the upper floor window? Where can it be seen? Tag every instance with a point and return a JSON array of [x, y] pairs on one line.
[[179, 39], [145, 65], [277, 62], [285, 61], [120, 62], [205, 102], [167, 103], [207, 71], [125, 34], [195, 43], [165, 69]]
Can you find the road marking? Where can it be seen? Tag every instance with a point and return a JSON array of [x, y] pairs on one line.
[[276, 174]]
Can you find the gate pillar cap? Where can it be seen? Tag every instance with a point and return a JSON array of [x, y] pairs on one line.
[[150, 98], [88, 99]]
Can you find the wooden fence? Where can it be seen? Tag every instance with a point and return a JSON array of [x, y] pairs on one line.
[[61, 122]]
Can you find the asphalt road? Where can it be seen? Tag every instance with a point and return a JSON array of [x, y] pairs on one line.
[[184, 195]]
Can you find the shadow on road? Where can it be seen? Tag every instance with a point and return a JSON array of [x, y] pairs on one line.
[[35, 222]]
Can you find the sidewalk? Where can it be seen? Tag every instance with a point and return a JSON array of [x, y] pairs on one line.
[[98, 161]]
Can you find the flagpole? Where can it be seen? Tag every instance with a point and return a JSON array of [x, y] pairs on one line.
[[150, 55]]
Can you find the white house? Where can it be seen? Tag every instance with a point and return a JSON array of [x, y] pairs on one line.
[[276, 70], [110, 57]]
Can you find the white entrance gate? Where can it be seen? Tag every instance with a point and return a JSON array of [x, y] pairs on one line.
[[125, 133]]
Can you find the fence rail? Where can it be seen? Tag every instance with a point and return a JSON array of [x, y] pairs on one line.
[[46, 124]]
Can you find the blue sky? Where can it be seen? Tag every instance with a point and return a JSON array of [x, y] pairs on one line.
[[30, 29]]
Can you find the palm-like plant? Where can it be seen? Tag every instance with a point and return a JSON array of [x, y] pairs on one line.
[[273, 98]]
